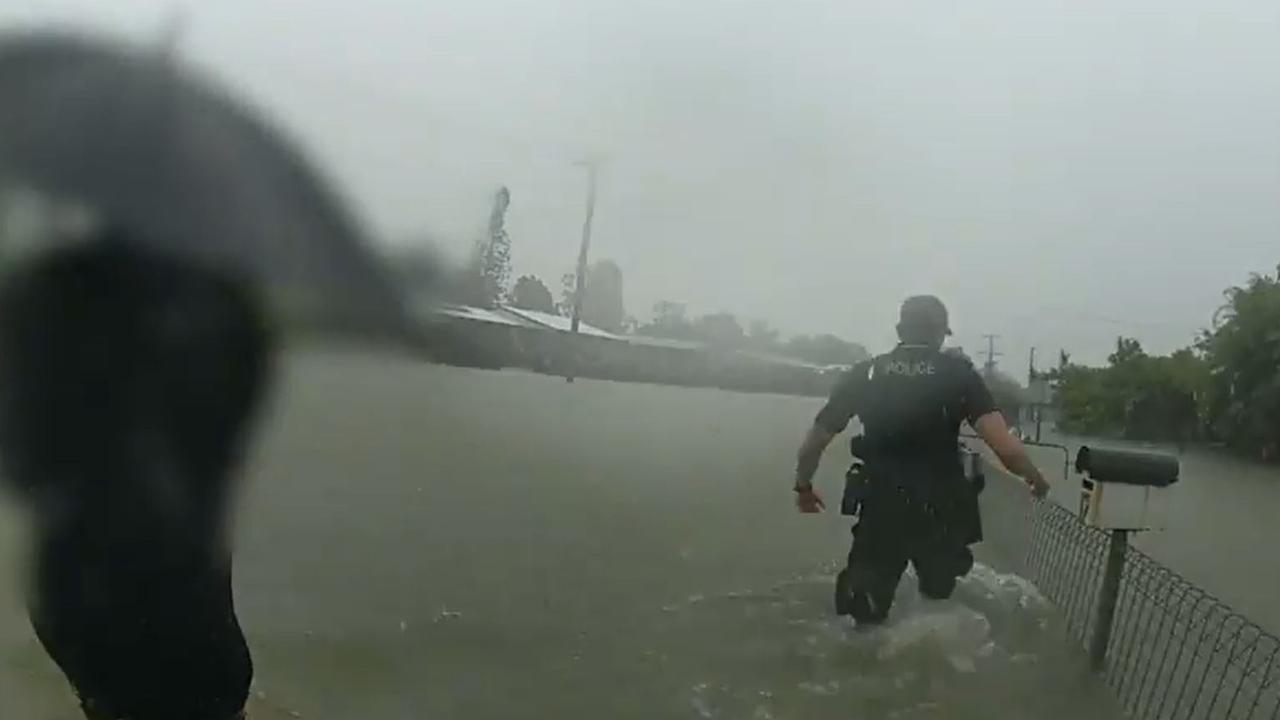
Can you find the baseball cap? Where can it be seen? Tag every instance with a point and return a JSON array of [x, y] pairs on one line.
[[924, 312]]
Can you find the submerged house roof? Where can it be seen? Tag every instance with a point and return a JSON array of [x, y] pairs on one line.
[[511, 317], [478, 314], [557, 322]]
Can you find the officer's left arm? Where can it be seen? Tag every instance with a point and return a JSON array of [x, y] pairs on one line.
[[831, 421]]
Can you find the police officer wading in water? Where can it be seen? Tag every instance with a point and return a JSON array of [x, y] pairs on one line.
[[907, 486]]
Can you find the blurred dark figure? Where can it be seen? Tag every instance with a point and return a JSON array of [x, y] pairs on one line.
[[132, 364], [128, 383]]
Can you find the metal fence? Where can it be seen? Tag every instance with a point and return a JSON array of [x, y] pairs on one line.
[[1175, 652]]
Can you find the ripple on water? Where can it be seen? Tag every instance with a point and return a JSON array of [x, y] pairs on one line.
[[993, 645]]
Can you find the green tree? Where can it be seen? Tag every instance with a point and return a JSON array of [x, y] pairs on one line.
[[670, 320], [1166, 405], [490, 266], [1138, 396], [762, 337], [602, 304], [1080, 396], [530, 293], [720, 329], [1242, 350], [825, 349]]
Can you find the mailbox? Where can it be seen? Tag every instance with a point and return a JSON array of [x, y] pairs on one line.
[[1125, 489]]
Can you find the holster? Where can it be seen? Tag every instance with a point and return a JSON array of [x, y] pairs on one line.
[[857, 486], [973, 469]]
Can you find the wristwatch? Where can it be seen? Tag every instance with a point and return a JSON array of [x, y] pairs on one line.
[[803, 487]]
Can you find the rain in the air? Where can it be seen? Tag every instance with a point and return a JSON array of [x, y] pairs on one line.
[[639, 359]]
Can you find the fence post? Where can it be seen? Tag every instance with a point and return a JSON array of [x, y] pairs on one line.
[[1108, 597]]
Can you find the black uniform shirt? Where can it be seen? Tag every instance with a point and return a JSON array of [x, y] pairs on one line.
[[911, 402]]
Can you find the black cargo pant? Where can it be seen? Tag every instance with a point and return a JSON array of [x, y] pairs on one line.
[[168, 647], [899, 525]]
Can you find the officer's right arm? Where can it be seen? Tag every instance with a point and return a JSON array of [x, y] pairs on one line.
[[995, 433]]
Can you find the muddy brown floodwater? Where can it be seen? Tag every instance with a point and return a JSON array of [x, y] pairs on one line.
[[418, 541]]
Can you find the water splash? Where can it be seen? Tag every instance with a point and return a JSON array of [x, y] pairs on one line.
[[987, 647]]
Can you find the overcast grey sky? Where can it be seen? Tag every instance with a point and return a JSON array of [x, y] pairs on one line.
[[1059, 172]]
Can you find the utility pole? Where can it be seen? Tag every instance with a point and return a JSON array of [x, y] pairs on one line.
[[580, 287], [989, 367], [1034, 386]]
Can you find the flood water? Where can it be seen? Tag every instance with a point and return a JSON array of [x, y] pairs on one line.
[[427, 542]]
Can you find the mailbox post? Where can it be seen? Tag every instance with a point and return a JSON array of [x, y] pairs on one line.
[[1122, 491]]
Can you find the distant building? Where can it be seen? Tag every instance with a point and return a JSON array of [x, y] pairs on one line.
[[505, 336]]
